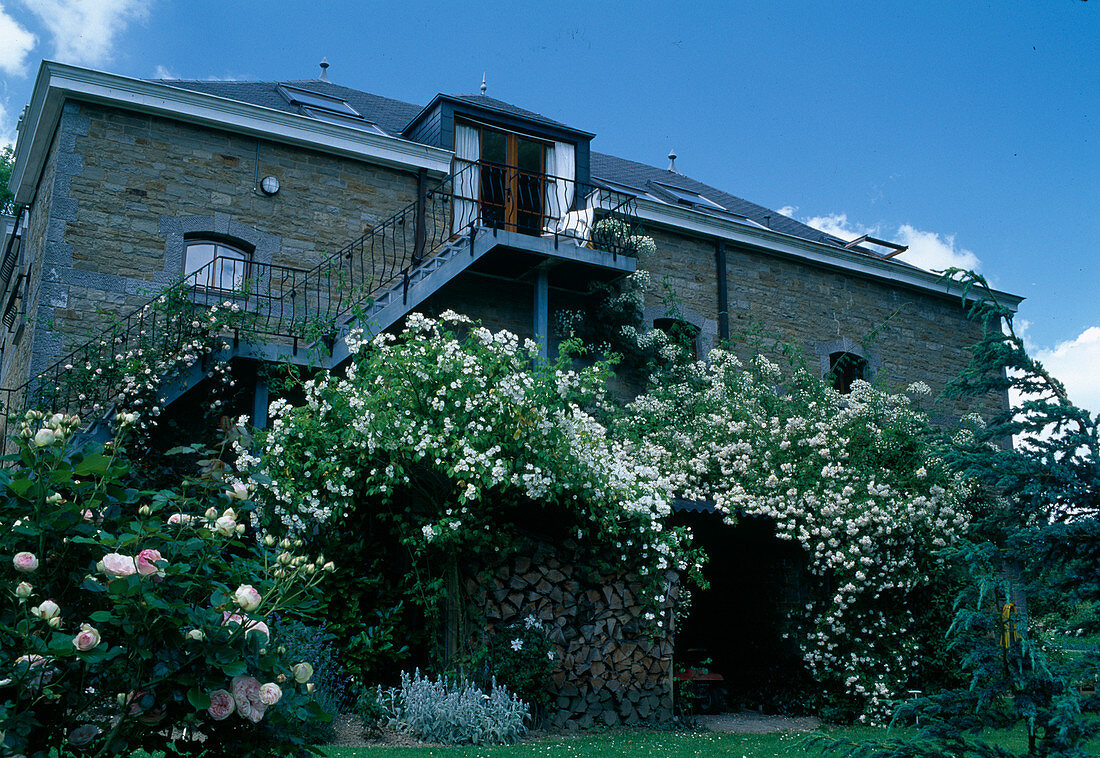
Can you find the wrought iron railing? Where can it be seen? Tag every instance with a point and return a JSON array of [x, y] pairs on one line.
[[292, 305]]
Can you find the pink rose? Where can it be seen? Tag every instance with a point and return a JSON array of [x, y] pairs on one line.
[[251, 625], [146, 562], [87, 639], [179, 518], [221, 705], [83, 734], [25, 563], [270, 693], [116, 565], [247, 597], [246, 694]]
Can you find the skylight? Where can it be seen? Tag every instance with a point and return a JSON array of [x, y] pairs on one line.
[[356, 122], [305, 98], [687, 197]]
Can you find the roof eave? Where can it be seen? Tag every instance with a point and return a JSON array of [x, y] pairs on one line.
[[57, 82], [790, 246], [478, 106]]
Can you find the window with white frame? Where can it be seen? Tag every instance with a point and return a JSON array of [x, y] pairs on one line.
[[215, 265]]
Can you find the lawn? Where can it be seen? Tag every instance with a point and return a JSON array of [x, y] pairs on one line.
[[667, 744]]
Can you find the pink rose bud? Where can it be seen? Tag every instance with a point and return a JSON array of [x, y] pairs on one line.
[[116, 565], [302, 672], [179, 518], [247, 598], [88, 638], [47, 611], [225, 526], [23, 590], [146, 562], [221, 705], [25, 563], [44, 438]]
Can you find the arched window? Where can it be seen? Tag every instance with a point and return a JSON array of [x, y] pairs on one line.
[[682, 333], [845, 368], [216, 265]]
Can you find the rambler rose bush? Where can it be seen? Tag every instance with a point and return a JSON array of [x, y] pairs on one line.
[[457, 435], [853, 479], [136, 619]]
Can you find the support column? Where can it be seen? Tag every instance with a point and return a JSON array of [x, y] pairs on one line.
[[542, 311], [259, 400]]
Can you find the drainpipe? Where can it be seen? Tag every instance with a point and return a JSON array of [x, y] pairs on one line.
[[723, 294], [542, 311]]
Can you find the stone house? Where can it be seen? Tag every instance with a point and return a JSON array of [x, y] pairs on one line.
[[301, 198]]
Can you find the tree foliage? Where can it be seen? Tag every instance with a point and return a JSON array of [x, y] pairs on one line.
[[1037, 538]]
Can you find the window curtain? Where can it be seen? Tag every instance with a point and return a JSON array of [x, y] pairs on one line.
[[467, 176], [561, 163]]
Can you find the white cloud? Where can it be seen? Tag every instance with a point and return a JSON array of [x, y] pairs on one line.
[[85, 31], [7, 128], [163, 72], [934, 252], [15, 44], [929, 250], [1076, 363]]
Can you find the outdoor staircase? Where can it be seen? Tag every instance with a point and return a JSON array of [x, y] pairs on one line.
[[370, 284]]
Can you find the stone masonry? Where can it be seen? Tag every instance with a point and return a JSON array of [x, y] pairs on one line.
[[122, 190]]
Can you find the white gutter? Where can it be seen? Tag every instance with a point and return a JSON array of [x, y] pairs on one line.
[[789, 246], [58, 82]]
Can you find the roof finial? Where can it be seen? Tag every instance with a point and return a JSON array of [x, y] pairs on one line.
[[672, 161], [484, 86], [324, 70]]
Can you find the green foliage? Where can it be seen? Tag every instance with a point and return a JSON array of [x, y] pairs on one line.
[[521, 657], [7, 199], [131, 615], [855, 480], [1037, 533], [453, 712], [451, 446]]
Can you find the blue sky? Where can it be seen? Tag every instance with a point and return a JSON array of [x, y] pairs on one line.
[[967, 130]]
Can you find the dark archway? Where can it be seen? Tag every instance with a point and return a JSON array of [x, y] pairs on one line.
[[757, 587]]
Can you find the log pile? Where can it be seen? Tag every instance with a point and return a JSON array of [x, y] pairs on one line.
[[614, 666]]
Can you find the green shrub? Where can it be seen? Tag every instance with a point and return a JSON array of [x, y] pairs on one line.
[[138, 619]]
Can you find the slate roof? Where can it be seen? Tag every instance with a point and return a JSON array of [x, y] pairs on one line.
[[493, 104], [394, 115]]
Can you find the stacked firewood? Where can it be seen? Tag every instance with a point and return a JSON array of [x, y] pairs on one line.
[[614, 663]]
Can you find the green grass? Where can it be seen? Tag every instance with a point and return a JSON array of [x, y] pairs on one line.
[[616, 744]]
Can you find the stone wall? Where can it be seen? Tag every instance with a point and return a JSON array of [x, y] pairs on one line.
[[612, 668], [130, 186], [906, 335]]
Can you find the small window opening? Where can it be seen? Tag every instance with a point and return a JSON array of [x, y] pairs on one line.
[[682, 333], [844, 369], [215, 265]]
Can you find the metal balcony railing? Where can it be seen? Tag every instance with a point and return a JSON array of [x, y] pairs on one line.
[[290, 305]]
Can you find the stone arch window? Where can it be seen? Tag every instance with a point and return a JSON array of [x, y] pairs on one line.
[[682, 333], [700, 332], [216, 263], [844, 369]]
